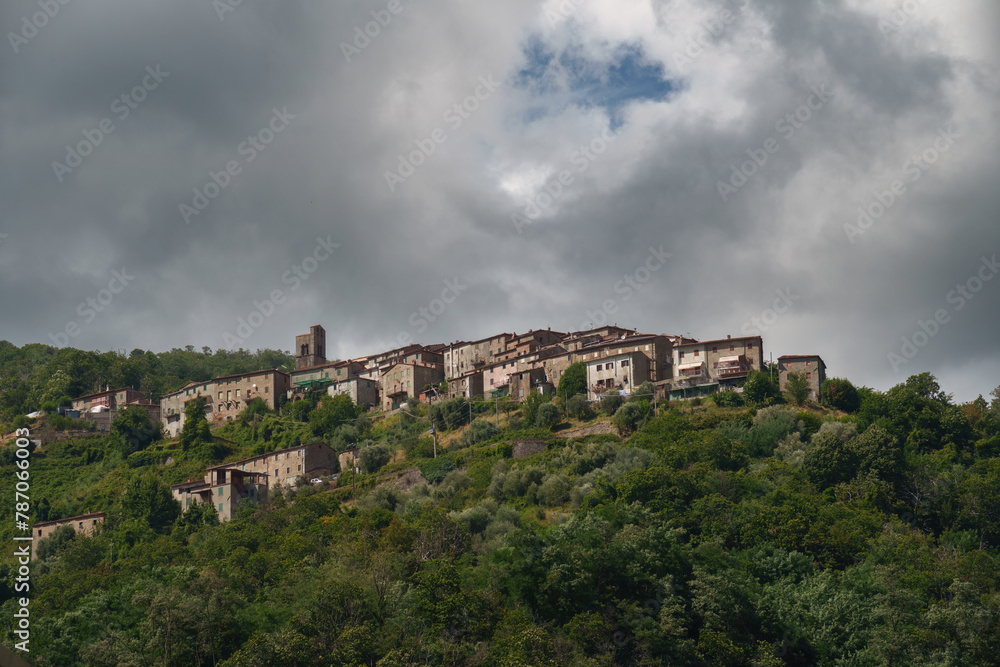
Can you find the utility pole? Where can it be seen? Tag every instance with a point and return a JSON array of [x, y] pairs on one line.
[[435, 436]]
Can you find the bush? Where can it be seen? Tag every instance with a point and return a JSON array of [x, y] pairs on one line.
[[374, 458], [628, 417], [548, 416], [840, 394], [578, 407], [729, 399], [797, 388], [435, 470], [610, 402], [480, 431], [644, 392]]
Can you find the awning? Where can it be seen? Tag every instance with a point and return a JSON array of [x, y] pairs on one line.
[[688, 367], [735, 359]]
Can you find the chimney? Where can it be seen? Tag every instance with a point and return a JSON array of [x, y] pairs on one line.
[[729, 336]]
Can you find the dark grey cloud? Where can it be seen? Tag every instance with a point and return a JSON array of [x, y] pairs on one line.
[[681, 124]]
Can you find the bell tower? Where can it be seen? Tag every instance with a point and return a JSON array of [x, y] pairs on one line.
[[310, 348]]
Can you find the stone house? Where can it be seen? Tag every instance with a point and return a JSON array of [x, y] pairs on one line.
[[809, 365], [707, 366], [623, 371], [84, 523]]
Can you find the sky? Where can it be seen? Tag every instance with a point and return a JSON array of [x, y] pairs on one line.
[[226, 174]]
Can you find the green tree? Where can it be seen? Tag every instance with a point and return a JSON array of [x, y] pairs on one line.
[[760, 389], [629, 416], [147, 500], [196, 431], [644, 392], [530, 406], [374, 458], [840, 394], [573, 381], [547, 416], [334, 412], [479, 431], [131, 430], [578, 407], [797, 388], [611, 401]]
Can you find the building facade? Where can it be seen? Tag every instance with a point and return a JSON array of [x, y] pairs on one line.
[[310, 348], [707, 366], [110, 399], [86, 524], [363, 391], [809, 365], [623, 372], [224, 396], [407, 380]]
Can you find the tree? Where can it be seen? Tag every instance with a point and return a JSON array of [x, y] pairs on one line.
[[573, 381], [840, 394], [148, 500], [196, 429], [628, 416], [131, 430], [480, 431], [644, 392], [374, 458], [611, 401], [797, 388], [547, 416], [578, 407], [760, 389], [530, 406], [334, 412]]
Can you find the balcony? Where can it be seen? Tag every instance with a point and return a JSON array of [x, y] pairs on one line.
[[735, 366], [691, 371]]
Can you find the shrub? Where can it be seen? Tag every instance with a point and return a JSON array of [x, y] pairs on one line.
[[374, 458], [480, 431], [729, 399], [840, 394], [610, 402], [578, 407], [628, 417], [548, 416]]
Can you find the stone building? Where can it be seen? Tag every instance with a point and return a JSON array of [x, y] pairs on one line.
[[224, 396], [310, 348], [109, 399], [363, 391], [704, 367], [623, 372], [249, 480], [810, 365], [84, 523], [407, 380]]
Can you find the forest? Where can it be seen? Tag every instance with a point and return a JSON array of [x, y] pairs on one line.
[[743, 529]]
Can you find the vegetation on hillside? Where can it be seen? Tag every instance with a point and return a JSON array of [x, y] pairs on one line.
[[716, 532]]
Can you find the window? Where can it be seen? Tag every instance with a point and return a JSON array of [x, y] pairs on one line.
[[682, 354], [229, 394], [275, 472], [808, 363], [750, 345], [220, 507], [220, 490], [220, 395], [809, 376], [625, 363], [300, 468], [697, 353], [715, 348], [288, 470], [732, 348], [237, 393]]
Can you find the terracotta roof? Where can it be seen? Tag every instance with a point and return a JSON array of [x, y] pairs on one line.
[[800, 356], [721, 340]]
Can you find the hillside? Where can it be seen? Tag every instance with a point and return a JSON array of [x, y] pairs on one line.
[[760, 534]]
